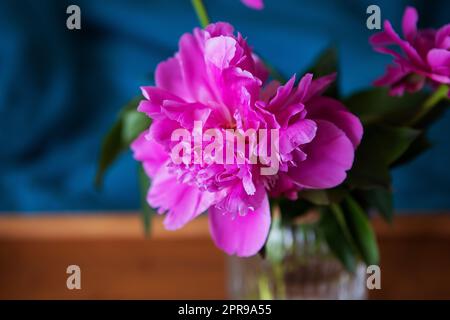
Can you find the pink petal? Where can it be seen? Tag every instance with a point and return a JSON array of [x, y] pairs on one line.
[[150, 153], [254, 4], [182, 202], [284, 186], [161, 131], [155, 98], [169, 77], [260, 69], [330, 155], [150, 109], [332, 110], [282, 95], [443, 37], [243, 235], [319, 86], [439, 61], [380, 39], [186, 113], [220, 51], [193, 68], [303, 86], [299, 133], [285, 115], [220, 28], [409, 23], [393, 75], [238, 201], [439, 78], [409, 50]]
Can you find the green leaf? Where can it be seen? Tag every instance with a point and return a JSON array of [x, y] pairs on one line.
[[391, 142], [119, 137], [382, 200], [110, 150], [419, 146], [146, 210], [332, 225], [134, 123], [325, 64], [361, 231], [375, 105], [380, 147]]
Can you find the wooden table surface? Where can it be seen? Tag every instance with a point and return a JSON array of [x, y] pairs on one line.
[[118, 262]]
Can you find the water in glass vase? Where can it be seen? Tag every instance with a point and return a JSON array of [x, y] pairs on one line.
[[305, 270]]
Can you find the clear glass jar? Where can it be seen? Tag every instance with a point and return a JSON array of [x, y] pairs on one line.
[[306, 270]]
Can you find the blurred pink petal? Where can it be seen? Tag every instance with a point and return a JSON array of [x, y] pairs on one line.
[[409, 23], [254, 4]]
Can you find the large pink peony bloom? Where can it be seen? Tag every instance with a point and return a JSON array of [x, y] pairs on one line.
[[216, 80], [425, 55]]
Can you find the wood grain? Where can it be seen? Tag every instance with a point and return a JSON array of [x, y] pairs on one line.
[[118, 262]]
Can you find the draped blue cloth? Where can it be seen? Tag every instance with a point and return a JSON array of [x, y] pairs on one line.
[[60, 90]]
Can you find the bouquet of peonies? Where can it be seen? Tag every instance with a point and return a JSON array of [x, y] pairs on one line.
[[222, 132]]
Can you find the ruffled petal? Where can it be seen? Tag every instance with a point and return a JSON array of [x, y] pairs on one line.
[[181, 201], [186, 113], [281, 96], [155, 99], [297, 134]]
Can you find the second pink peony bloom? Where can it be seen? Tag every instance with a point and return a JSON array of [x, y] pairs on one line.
[[424, 55]]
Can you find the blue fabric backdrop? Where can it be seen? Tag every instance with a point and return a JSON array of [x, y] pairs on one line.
[[60, 90]]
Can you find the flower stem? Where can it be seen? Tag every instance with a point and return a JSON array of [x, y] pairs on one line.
[[440, 94], [278, 269], [264, 288], [201, 12]]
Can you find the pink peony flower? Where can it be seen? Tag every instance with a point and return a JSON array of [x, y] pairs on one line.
[[254, 4], [216, 80], [424, 57]]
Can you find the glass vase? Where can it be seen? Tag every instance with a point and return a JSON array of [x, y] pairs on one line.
[[306, 269]]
